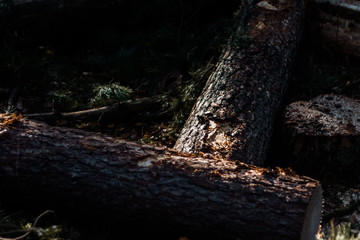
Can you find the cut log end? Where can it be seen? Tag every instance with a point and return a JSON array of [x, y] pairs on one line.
[[313, 216]]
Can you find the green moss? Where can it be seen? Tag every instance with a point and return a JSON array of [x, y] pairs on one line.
[[109, 94]]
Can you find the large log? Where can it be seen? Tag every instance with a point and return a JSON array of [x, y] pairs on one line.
[[233, 117], [322, 137], [73, 168]]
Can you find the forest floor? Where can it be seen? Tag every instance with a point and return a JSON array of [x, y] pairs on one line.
[[78, 58]]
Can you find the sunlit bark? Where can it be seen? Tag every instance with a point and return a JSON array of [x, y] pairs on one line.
[[233, 118]]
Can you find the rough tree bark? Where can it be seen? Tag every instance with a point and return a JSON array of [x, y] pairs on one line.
[[322, 137], [234, 115], [73, 167]]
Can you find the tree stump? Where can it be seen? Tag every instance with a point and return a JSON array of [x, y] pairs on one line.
[[323, 137]]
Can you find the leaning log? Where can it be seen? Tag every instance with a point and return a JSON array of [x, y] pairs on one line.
[[78, 169], [323, 137], [233, 117]]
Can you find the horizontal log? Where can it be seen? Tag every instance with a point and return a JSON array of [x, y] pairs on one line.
[[339, 24], [344, 8], [341, 34], [82, 171]]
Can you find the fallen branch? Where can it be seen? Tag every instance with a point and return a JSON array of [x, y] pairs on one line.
[[146, 108]]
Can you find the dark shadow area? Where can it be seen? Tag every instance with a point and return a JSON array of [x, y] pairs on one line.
[[319, 69]]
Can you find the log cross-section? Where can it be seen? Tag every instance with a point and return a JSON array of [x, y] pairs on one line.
[[71, 167], [233, 117]]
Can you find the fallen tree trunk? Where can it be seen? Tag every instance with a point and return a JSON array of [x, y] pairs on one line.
[[74, 168], [322, 137], [233, 117]]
